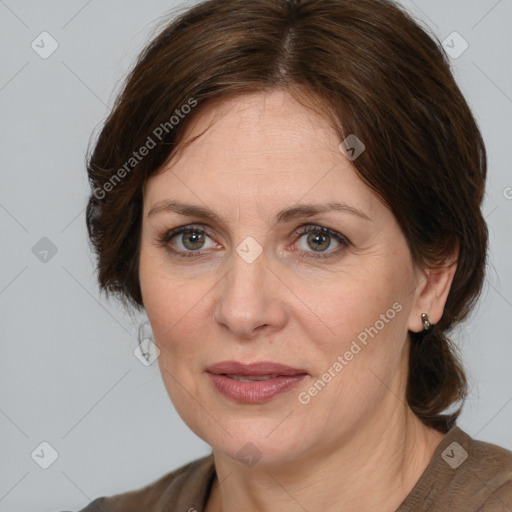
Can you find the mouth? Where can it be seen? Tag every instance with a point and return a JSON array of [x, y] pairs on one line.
[[254, 383]]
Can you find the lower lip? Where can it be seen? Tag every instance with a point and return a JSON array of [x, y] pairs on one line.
[[255, 392]]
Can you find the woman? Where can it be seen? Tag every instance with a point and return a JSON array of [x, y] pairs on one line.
[[291, 190]]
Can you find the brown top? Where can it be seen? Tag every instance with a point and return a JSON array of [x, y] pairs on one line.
[[464, 475]]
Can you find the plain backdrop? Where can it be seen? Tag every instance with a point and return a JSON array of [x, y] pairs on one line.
[[68, 375]]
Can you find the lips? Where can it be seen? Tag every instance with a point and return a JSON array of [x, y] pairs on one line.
[[254, 383]]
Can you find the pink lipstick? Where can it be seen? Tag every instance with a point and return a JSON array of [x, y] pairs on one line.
[[256, 382]]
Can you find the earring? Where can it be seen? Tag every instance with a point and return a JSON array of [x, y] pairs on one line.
[[426, 322], [145, 338]]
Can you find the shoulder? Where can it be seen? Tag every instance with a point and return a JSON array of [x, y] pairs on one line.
[[492, 467], [492, 456], [464, 475], [185, 488]]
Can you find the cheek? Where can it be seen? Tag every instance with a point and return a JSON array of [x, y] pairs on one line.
[[162, 299], [176, 308], [348, 302], [364, 351], [175, 313], [360, 326]]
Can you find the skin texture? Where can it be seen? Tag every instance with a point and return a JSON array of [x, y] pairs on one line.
[[356, 442]]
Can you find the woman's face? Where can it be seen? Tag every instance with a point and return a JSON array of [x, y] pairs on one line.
[[256, 286]]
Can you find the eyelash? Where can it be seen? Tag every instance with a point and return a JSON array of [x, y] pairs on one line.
[[163, 240]]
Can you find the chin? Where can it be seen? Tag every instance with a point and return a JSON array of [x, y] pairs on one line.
[[257, 444]]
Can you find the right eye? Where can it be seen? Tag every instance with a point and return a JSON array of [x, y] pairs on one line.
[[190, 240]]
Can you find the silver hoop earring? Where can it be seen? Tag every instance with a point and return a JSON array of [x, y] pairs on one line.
[[426, 322]]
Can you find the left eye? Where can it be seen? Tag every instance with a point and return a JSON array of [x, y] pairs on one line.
[[318, 239]]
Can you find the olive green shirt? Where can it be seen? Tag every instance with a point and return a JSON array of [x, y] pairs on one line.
[[464, 475]]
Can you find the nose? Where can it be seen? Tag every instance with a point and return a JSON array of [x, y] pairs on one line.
[[250, 299]]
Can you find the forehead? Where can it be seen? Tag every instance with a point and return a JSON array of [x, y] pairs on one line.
[[260, 123], [263, 146]]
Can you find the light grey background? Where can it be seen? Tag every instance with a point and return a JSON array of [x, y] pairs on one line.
[[67, 372]]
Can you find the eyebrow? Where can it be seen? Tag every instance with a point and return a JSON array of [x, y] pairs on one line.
[[286, 215]]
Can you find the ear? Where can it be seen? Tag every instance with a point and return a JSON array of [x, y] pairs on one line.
[[433, 286]]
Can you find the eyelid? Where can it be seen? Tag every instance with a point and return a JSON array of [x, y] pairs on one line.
[[311, 228]]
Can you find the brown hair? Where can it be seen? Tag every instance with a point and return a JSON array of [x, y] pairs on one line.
[[377, 74]]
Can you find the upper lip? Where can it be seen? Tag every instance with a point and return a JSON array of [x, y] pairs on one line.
[[257, 369]]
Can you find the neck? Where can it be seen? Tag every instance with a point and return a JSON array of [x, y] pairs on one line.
[[374, 468]]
